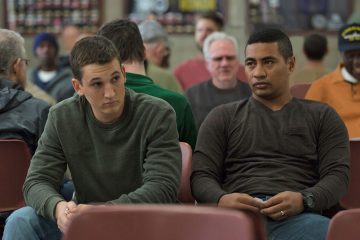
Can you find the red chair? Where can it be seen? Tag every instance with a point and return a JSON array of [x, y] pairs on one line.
[[345, 225], [161, 222], [185, 195], [14, 161], [299, 90], [352, 197]]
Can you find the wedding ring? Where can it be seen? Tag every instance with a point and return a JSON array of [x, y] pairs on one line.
[[282, 213]]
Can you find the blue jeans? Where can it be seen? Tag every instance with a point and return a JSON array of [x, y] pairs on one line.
[[24, 223], [306, 226]]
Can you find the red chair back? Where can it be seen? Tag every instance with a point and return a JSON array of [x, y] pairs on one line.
[[345, 225], [352, 197], [160, 222], [299, 90], [185, 195], [14, 161]]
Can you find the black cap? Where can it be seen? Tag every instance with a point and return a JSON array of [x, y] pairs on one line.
[[349, 37]]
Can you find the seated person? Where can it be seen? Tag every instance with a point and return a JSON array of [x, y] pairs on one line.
[[341, 88], [193, 71], [126, 36], [284, 157], [157, 48], [48, 75], [315, 48], [21, 115], [220, 52], [112, 158]]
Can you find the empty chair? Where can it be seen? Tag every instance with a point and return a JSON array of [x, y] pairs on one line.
[[299, 90], [161, 222], [185, 195], [14, 161], [345, 225], [352, 197]]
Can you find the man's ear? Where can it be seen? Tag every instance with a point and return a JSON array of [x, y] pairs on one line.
[[15, 68], [123, 72], [77, 86], [291, 62]]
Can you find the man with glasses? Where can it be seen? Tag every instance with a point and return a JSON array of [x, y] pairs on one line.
[[221, 55], [193, 71], [21, 115]]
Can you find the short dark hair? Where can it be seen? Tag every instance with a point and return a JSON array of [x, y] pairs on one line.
[[272, 35], [126, 37], [91, 50], [315, 46], [213, 16]]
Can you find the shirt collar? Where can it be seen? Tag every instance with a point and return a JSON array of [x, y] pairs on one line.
[[347, 76]]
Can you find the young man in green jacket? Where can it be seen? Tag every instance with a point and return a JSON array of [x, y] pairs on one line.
[[121, 147]]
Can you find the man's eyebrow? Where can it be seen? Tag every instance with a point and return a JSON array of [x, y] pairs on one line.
[[95, 79], [115, 73], [268, 58], [249, 59], [261, 59]]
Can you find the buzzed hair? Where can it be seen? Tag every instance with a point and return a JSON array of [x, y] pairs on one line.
[[126, 37], [272, 35], [92, 50], [315, 46]]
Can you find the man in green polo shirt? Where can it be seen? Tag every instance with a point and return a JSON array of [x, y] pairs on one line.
[[126, 36]]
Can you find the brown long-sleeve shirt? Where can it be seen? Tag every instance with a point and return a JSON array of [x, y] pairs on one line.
[[248, 148]]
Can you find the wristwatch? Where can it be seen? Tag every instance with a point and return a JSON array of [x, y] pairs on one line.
[[308, 201]]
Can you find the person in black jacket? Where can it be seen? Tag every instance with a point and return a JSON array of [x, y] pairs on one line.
[[21, 115]]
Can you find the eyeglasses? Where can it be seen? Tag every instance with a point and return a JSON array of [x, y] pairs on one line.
[[27, 61], [220, 58]]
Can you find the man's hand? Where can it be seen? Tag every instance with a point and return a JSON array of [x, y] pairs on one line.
[[79, 208], [283, 205], [63, 214], [240, 201]]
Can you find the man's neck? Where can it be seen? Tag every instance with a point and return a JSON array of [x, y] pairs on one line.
[[229, 84], [313, 64], [275, 104], [135, 67], [48, 67]]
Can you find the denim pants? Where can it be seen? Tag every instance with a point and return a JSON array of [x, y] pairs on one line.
[[24, 223], [304, 226]]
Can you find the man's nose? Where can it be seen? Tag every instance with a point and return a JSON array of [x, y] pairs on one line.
[[109, 91], [259, 71]]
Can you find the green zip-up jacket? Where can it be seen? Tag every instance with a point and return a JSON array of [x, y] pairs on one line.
[[136, 159], [184, 116]]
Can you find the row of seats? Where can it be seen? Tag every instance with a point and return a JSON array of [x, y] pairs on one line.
[[15, 159], [162, 222]]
